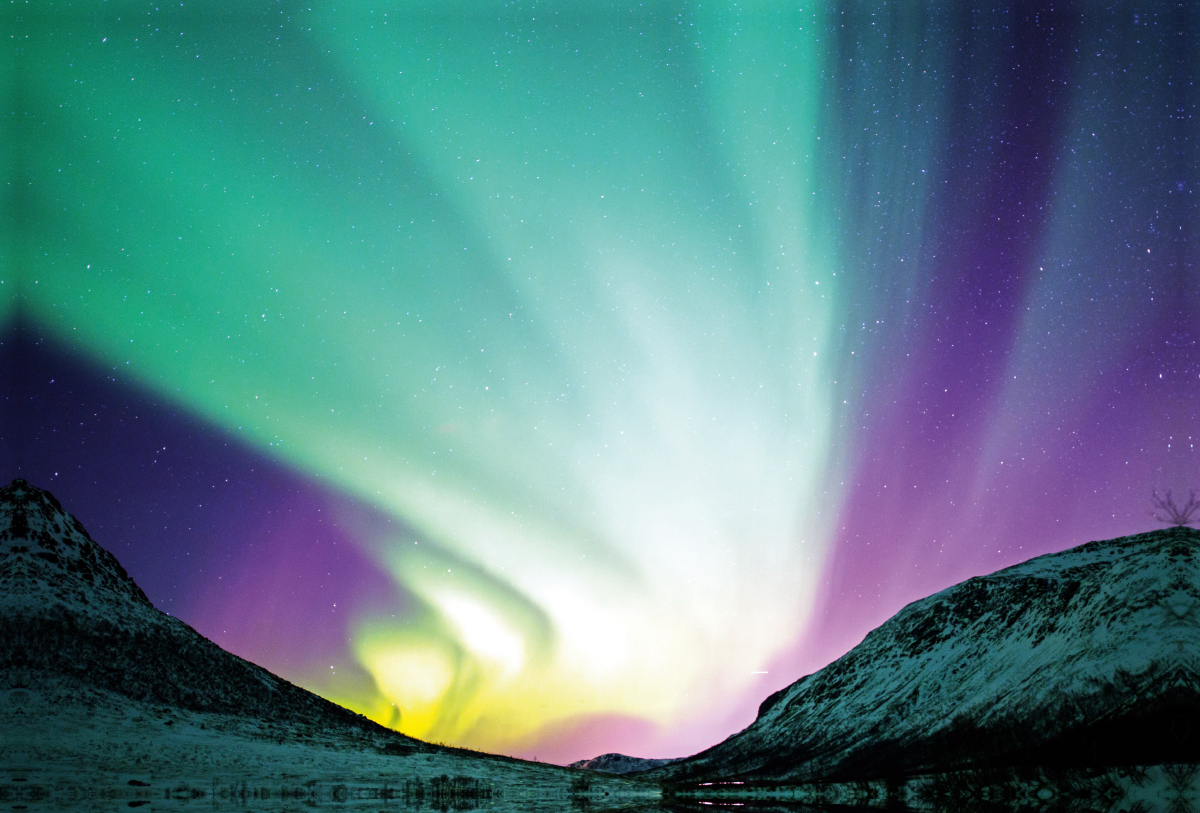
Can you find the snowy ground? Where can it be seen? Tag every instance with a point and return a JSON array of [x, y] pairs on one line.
[[103, 752]]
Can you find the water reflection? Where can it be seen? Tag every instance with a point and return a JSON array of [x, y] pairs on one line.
[[465, 794], [440, 794]]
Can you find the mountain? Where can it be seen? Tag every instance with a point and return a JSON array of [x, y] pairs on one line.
[[71, 612], [1084, 659], [619, 764], [97, 685]]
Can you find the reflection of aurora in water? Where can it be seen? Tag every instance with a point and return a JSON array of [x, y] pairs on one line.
[[608, 360]]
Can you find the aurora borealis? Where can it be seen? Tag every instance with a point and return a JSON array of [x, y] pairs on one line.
[[560, 378]]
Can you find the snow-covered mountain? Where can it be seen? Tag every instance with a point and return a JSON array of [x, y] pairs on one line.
[[1081, 659], [619, 764], [97, 685], [72, 612]]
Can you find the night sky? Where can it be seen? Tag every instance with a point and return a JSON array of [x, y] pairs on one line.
[[559, 378]]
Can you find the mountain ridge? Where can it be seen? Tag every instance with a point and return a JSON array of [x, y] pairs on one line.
[[1082, 658], [619, 764]]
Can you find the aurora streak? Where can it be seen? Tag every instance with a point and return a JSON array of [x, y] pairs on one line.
[[601, 371]]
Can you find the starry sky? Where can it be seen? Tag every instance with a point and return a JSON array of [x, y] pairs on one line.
[[558, 378]]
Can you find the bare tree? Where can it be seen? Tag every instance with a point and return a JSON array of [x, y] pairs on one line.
[[1166, 511]]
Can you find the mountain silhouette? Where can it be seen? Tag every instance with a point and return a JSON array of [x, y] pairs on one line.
[[1084, 659], [73, 615]]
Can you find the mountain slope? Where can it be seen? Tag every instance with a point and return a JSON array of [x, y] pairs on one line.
[[1085, 658], [70, 610]]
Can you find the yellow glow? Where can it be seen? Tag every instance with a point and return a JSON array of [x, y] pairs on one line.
[[413, 677], [413, 670]]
